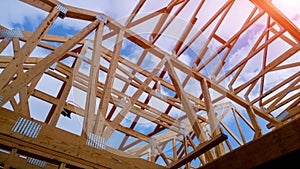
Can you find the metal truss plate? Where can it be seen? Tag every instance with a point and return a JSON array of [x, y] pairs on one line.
[[27, 128]]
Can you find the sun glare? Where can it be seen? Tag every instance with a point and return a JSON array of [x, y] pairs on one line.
[[289, 6]]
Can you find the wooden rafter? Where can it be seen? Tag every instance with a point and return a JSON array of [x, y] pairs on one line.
[[179, 114]]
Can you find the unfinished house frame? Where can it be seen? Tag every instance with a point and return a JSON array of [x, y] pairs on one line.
[[140, 104]]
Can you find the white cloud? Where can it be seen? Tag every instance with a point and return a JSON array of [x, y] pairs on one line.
[[16, 12], [289, 8], [69, 23], [25, 13], [186, 59], [120, 10], [113, 8]]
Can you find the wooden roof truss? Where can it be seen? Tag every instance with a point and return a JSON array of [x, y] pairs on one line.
[[154, 109]]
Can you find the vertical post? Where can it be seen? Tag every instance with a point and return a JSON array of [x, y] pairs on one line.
[[174, 149], [93, 80], [10, 159], [190, 112], [152, 150], [103, 106], [62, 166], [257, 129], [23, 107], [186, 148], [212, 118]]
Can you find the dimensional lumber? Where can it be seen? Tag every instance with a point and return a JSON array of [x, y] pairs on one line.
[[155, 88], [57, 146], [21, 163], [276, 144], [198, 151]]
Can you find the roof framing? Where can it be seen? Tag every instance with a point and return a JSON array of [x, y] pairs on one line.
[[158, 114]]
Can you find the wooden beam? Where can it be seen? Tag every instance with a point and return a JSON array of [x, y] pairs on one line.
[[202, 148], [62, 166], [231, 133], [54, 144], [90, 104], [10, 90], [272, 145], [286, 55], [21, 163], [10, 159], [134, 99], [52, 38], [238, 125], [135, 12], [222, 90], [191, 114], [186, 151], [279, 17], [23, 104], [279, 85], [145, 18], [63, 95], [280, 95], [103, 106], [254, 121], [212, 118], [39, 4], [130, 132], [22, 54], [225, 9], [187, 28], [159, 139], [185, 102], [160, 23], [4, 43]]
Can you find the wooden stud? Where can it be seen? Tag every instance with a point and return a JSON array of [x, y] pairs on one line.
[[64, 95], [93, 79], [230, 133], [134, 98], [266, 148], [62, 166], [10, 159], [257, 128], [27, 48], [141, 109], [135, 11], [54, 145], [238, 125], [202, 148], [269, 67], [212, 118], [4, 43], [20, 82], [187, 107], [103, 106]]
